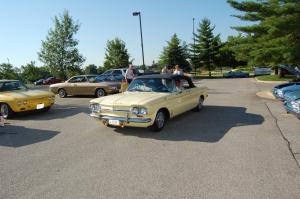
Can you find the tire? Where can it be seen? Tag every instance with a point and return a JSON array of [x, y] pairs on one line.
[[62, 93], [100, 92], [159, 122], [6, 111], [199, 107]]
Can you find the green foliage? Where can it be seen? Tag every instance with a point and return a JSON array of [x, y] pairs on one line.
[[101, 69], [116, 55], [91, 69], [273, 38], [206, 47], [59, 51], [30, 72], [7, 71], [175, 53]]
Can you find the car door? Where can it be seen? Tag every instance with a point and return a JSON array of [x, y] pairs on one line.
[[75, 85]]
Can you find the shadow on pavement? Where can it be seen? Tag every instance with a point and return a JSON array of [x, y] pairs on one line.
[[56, 112], [18, 136], [209, 125]]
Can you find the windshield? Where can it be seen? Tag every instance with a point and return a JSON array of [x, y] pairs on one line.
[[12, 86], [152, 85]]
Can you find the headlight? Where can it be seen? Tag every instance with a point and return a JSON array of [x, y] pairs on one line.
[[139, 110], [143, 111], [25, 102], [280, 93], [114, 88], [296, 106], [19, 103], [95, 108]]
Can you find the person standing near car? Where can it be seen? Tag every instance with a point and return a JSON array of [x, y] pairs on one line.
[[129, 75]]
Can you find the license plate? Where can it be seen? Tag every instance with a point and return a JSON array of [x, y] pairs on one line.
[[114, 122], [40, 106]]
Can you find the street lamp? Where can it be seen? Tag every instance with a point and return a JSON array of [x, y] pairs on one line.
[[139, 14]]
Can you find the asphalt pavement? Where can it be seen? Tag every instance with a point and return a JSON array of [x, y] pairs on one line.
[[238, 146]]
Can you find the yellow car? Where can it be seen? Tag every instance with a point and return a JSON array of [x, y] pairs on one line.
[[149, 101], [16, 97]]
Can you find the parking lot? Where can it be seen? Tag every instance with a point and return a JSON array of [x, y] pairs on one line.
[[238, 146]]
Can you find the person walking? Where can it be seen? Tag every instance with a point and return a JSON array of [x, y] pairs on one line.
[[129, 75]]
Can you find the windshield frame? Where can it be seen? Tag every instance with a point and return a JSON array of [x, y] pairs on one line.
[[171, 89]]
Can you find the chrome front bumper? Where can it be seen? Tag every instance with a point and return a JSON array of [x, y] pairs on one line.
[[122, 119], [290, 109]]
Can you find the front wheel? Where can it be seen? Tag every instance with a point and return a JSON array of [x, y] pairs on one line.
[[100, 92], [5, 111], [159, 121], [62, 93], [199, 107]]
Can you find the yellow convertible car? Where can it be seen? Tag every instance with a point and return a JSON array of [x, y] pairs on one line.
[[16, 97], [149, 101]]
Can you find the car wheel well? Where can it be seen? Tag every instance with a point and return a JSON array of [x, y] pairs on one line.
[[166, 111], [202, 97]]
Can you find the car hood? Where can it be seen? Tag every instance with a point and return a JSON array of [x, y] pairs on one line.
[[29, 94], [280, 86], [292, 95], [291, 88], [130, 98], [58, 85]]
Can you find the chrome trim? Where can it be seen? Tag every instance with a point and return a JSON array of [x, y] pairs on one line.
[[123, 119]]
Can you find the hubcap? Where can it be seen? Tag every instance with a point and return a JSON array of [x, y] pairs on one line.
[[200, 105], [62, 93], [4, 110], [100, 93], [160, 119]]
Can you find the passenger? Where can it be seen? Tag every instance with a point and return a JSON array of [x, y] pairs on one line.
[[178, 70], [129, 75], [166, 70]]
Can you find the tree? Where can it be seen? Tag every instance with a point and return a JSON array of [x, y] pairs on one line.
[[7, 71], [91, 69], [116, 54], [59, 51], [206, 46], [176, 52], [273, 37], [30, 72]]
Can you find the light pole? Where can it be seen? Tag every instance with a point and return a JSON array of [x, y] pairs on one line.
[[139, 14], [194, 45]]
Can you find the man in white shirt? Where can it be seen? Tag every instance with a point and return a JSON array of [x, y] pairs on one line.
[[129, 75]]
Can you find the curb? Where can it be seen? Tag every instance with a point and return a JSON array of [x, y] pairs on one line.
[[274, 82]]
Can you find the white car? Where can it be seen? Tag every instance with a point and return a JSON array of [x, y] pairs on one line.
[[262, 71]]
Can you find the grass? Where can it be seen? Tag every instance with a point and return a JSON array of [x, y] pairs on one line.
[[275, 78]]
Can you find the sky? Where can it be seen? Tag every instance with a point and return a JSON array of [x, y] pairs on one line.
[[24, 24]]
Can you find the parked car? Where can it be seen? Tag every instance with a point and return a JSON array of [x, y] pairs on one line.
[[149, 101], [51, 80], [280, 90], [109, 78], [16, 97], [292, 103], [262, 71], [85, 85], [39, 82], [236, 73], [119, 71]]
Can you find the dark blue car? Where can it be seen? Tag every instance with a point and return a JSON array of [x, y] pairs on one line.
[[292, 103], [236, 73]]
